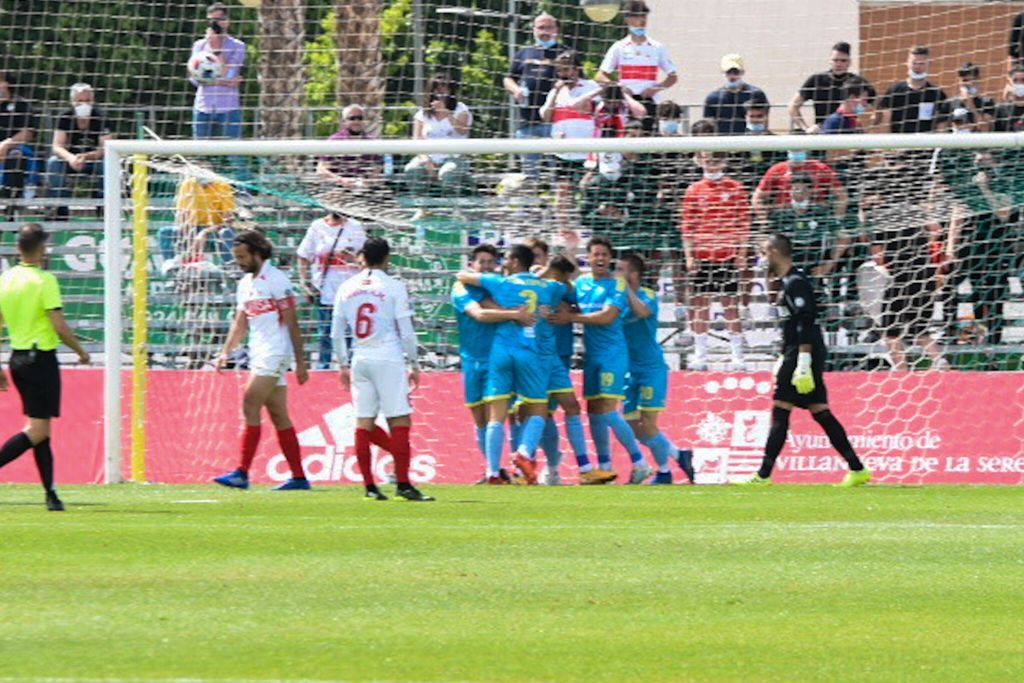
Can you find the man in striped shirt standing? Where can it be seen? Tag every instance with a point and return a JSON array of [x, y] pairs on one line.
[[637, 58]]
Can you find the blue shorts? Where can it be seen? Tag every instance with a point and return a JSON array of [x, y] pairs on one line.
[[647, 389], [559, 381], [518, 372], [605, 377], [474, 380]]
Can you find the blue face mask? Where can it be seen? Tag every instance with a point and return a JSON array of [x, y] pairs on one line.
[[756, 127], [859, 109], [548, 44], [638, 30], [734, 84], [797, 156], [669, 127]]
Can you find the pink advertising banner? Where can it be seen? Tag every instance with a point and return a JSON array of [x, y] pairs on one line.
[[951, 427]]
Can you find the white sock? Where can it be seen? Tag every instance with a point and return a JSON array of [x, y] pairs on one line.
[[736, 342], [700, 344]]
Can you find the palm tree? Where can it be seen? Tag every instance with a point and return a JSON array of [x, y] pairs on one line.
[[283, 79], [360, 66]]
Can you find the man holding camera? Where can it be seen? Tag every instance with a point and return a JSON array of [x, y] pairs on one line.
[[217, 111]]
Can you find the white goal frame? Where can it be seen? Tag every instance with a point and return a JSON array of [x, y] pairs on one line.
[[117, 151]]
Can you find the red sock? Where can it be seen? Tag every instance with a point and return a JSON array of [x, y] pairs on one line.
[[380, 438], [363, 455], [401, 452], [290, 447], [250, 440]]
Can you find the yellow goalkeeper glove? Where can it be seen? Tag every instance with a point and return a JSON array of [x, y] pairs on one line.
[[803, 378]]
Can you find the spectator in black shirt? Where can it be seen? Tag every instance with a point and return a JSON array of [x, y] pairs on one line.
[[824, 89], [530, 80], [1015, 53], [724, 106], [799, 373], [17, 130], [915, 104], [751, 165], [970, 98], [78, 142], [1009, 116]]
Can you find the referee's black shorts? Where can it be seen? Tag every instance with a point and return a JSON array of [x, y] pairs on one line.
[[36, 376], [784, 389]]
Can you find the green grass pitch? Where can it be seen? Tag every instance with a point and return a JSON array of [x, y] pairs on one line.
[[791, 583]]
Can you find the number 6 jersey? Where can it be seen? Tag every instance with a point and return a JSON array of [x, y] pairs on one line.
[[368, 308]]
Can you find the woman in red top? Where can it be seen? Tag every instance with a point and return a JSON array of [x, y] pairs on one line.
[[716, 232]]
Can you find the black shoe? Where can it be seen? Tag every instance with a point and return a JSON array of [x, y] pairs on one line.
[[410, 492], [53, 503], [685, 459], [373, 493]]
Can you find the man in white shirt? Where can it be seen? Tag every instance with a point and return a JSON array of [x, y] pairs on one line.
[[266, 310], [327, 257], [373, 309], [637, 58]]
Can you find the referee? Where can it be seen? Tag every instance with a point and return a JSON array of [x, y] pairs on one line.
[[799, 378], [30, 305]]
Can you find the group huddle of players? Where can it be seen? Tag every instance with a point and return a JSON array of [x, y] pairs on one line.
[[516, 346]]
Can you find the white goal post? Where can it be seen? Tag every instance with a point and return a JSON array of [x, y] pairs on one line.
[[119, 151]]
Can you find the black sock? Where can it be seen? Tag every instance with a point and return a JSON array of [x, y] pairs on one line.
[[837, 437], [15, 446], [776, 440], [44, 463]]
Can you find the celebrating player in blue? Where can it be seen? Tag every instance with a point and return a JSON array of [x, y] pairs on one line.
[[516, 365], [799, 374], [647, 387], [477, 324], [602, 302]]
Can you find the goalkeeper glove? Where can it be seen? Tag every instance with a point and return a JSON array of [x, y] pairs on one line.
[[803, 379]]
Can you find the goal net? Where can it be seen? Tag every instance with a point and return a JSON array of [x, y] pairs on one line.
[[914, 244]]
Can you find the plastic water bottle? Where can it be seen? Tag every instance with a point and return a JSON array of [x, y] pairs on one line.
[[389, 164]]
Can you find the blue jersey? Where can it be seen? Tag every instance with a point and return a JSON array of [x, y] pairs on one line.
[[642, 334], [517, 290], [475, 337], [593, 296], [563, 333]]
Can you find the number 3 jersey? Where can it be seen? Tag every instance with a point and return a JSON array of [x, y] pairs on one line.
[[368, 307], [265, 296]]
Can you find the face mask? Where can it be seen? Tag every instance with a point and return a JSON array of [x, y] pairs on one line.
[[638, 30], [718, 175], [801, 204], [734, 84], [1018, 89], [859, 109], [668, 127], [797, 157], [548, 44], [918, 76], [971, 90], [961, 131], [756, 127], [83, 110]]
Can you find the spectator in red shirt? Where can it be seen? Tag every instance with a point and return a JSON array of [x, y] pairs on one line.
[[716, 233], [773, 192]]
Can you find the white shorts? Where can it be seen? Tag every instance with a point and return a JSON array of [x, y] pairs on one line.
[[380, 387], [271, 366]]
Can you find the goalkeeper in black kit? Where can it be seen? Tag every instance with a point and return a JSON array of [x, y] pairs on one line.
[[799, 379]]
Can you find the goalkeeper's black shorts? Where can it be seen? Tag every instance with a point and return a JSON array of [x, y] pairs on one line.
[[784, 389]]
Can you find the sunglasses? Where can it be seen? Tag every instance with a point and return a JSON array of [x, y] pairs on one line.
[[354, 118]]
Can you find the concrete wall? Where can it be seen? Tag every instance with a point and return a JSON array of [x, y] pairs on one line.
[[782, 41]]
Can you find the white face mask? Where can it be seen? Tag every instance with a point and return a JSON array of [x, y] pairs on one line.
[[918, 76], [83, 110], [801, 204], [1018, 89], [960, 131], [717, 175]]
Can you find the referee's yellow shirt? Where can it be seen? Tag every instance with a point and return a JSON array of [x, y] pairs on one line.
[[26, 294]]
